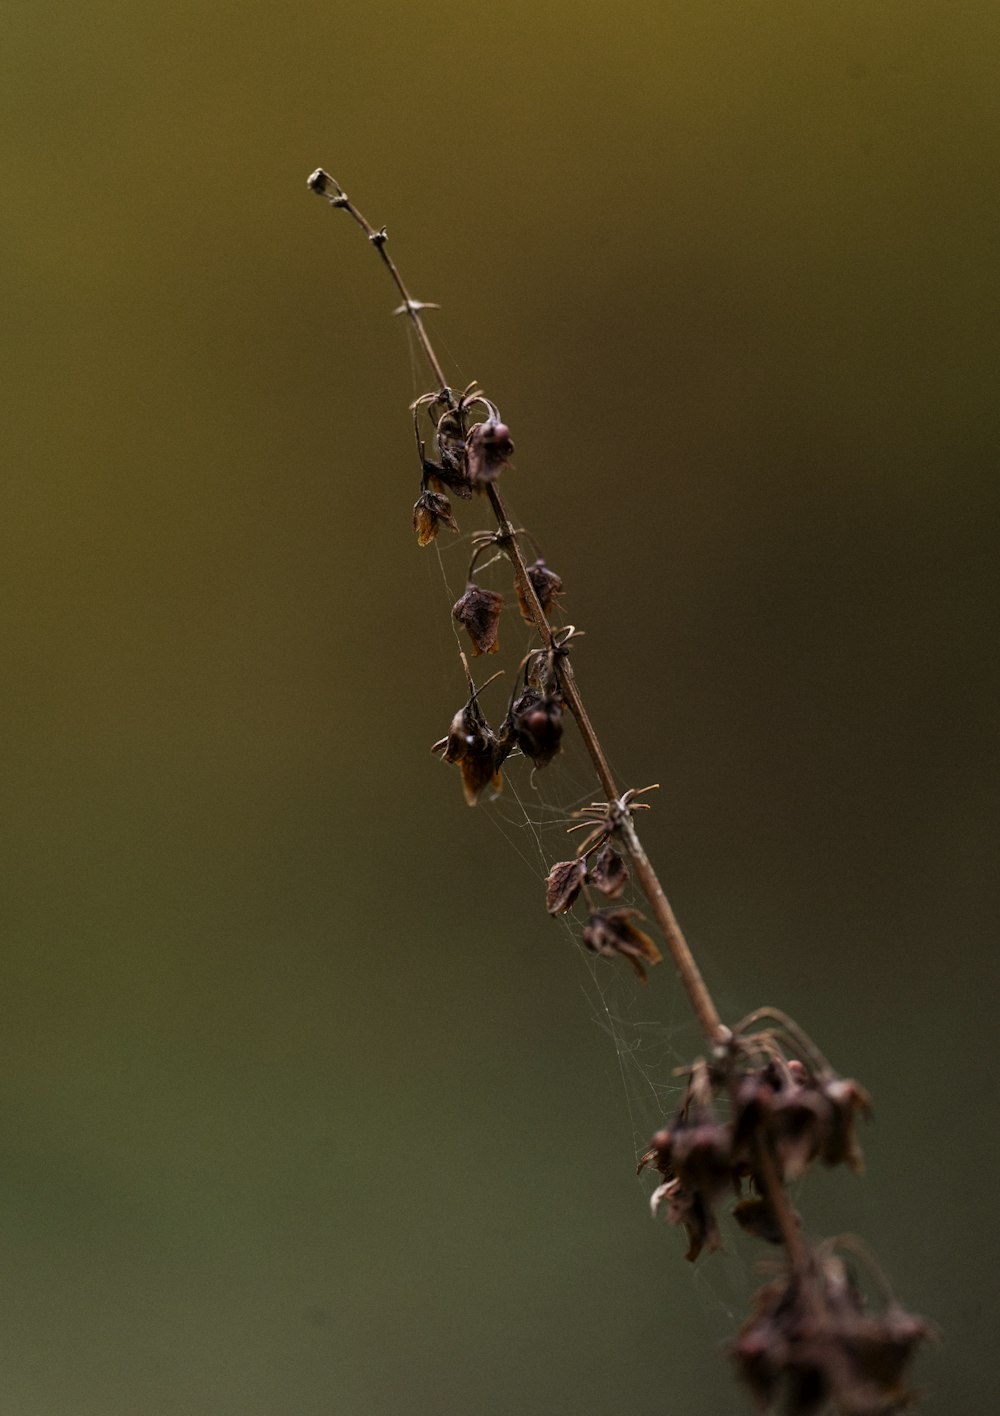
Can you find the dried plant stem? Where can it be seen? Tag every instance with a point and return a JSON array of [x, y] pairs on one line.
[[811, 1337], [690, 974]]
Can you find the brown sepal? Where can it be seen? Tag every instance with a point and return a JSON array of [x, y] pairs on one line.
[[479, 612], [431, 511], [608, 871], [611, 932], [547, 586], [563, 885]]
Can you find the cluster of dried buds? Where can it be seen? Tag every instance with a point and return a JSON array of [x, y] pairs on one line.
[[756, 1117], [814, 1340], [598, 865], [471, 455]]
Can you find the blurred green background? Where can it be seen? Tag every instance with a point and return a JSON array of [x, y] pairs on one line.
[[307, 1106]]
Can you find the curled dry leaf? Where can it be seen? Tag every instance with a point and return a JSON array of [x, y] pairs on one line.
[[478, 611], [611, 932], [563, 885], [547, 586], [431, 511]]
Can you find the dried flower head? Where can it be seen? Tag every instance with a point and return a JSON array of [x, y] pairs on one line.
[[563, 885], [472, 747], [478, 611], [487, 449], [534, 724], [812, 1340], [608, 871], [611, 932], [431, 511], [804, 1118], [547, 586]]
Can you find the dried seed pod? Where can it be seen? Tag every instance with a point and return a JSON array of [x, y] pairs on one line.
[[608, 871], [611, 932], [563, 885], [472, 747], [487, 449], [547, 586], [431, 511], [534, 724], [479, 612]]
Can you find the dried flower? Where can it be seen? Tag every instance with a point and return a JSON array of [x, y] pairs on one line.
[[479, 611], [608, 871], [811, 1340], [547, 586], [534, 725], [611, 932], [472, 747], [431, 511], [487, 448], [695, 1156], [563, 885], [441, 476], [804, 1118]]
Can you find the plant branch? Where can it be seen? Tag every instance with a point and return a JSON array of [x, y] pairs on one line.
[[701, 1000]]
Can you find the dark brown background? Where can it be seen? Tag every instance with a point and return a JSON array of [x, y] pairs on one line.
[[305, 1107]]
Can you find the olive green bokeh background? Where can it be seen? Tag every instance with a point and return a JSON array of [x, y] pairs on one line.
[[305, 1109]]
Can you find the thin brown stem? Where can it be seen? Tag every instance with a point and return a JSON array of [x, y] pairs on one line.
[[701, 1000]]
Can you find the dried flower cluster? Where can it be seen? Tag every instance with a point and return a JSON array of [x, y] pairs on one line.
[[763, 1105]]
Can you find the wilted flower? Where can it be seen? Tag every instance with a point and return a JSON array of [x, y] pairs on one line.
[[804, 1118], [695, 1157], [811, 1340], [479, 612], [431, 511], [611, 932], [534, 725], [546, 585], [563, 885], [487, 449], [472, 747], [608, 871]]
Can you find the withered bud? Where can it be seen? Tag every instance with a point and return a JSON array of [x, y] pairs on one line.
[[487, 448], [608, 871], [479, 612], [534, 724], [547, 586], [563, 885], [471, 746], [611, 932], [431, 511]]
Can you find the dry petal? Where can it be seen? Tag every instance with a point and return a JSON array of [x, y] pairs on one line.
[[563, 885], [479, 612]]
